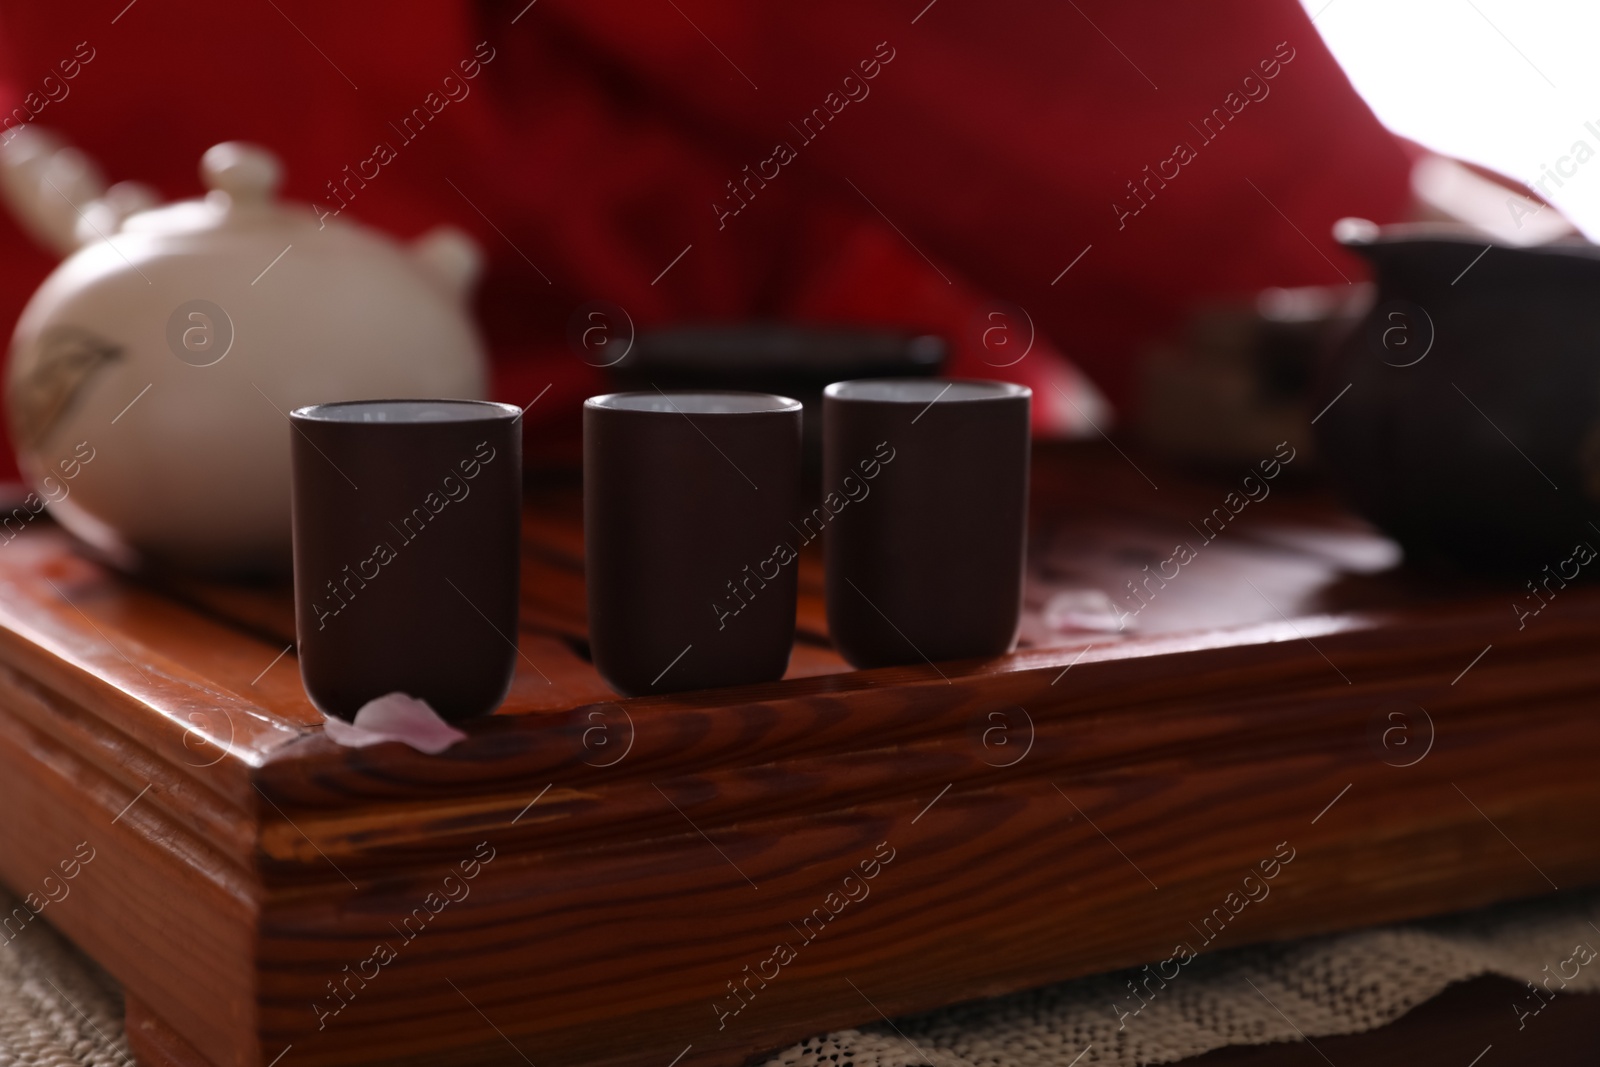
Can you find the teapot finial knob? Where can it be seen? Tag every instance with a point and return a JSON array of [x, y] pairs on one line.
[[247, 173]]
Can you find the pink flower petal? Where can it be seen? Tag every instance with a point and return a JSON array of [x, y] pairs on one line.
[[395, 717]]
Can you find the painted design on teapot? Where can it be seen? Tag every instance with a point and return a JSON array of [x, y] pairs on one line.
[[67, 359]]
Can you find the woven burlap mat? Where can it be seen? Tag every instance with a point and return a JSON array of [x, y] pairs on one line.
[[1345, 984], [58, 1009]]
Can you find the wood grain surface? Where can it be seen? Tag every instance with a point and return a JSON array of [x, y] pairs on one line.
[[685, 879]]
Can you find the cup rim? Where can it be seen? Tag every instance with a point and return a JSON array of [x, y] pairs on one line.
[[995, 391], [490, 411], [609, 402]]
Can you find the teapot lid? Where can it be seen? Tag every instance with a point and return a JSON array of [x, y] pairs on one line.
[[242, 180]]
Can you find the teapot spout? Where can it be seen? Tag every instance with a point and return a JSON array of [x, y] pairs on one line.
[[47, 184]]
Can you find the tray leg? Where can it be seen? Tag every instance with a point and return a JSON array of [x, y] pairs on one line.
[[154, 1043]]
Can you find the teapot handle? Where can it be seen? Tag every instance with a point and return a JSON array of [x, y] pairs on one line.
[[48, 185]]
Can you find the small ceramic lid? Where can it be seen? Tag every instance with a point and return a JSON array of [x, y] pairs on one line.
[[243, 180]]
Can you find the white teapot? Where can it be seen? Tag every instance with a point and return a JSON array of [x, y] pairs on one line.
[[152, 373]]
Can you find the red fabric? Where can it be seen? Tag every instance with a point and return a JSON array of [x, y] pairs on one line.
[[995, 139]]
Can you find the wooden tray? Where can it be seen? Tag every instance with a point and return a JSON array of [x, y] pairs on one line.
[[696, 879]]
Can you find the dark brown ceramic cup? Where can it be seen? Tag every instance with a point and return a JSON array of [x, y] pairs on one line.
[[688, 500], [407, 529], [925, 499]]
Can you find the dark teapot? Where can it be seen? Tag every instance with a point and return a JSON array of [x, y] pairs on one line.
[[1462, 415]]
